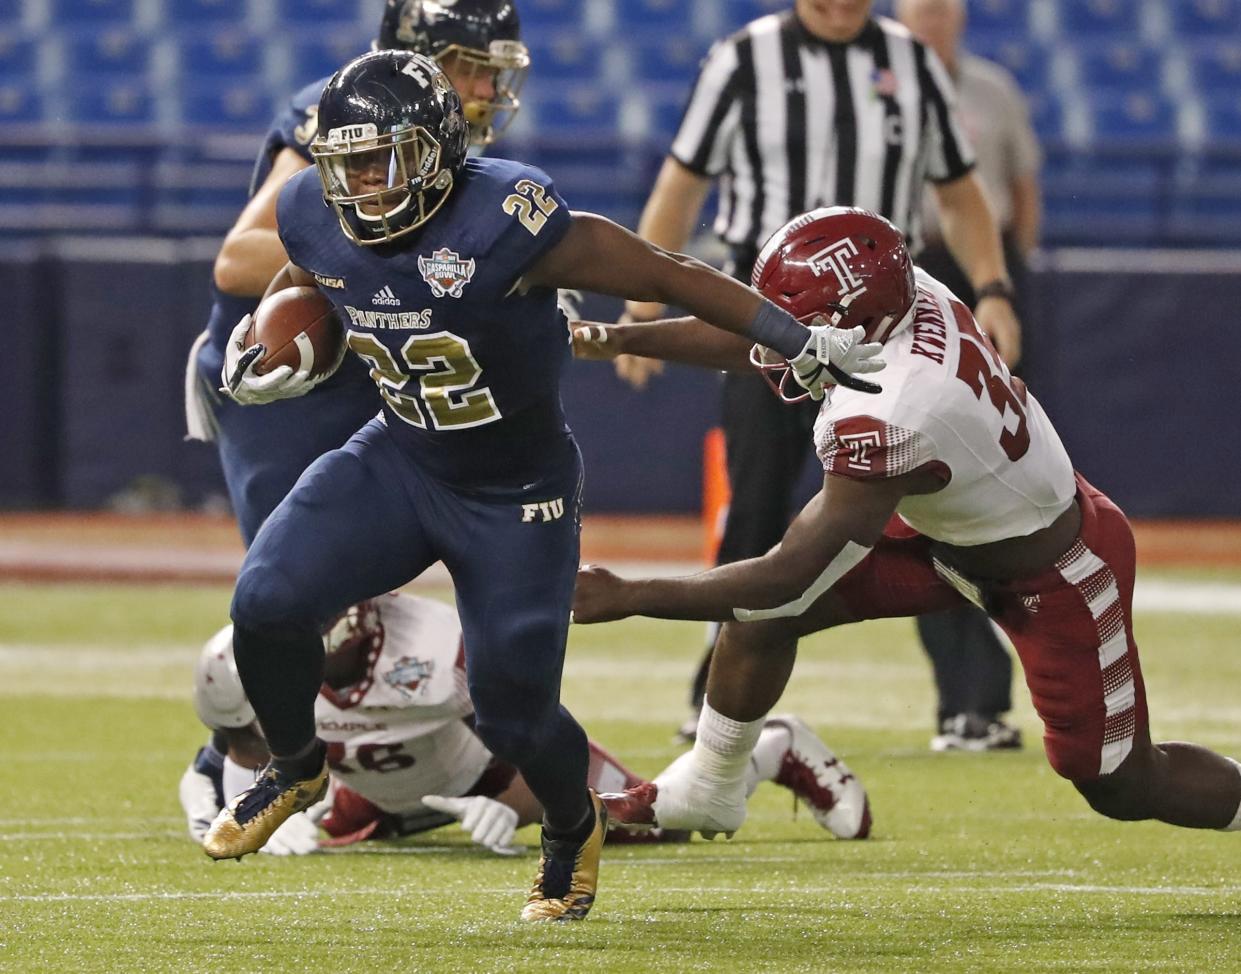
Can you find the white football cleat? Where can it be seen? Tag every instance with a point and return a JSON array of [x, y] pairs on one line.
[[821, 781], [685, 801]]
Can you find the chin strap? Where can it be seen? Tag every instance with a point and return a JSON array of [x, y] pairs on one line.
[[848, 557]]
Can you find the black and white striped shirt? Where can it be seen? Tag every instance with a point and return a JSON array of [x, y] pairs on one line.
[[790, 122]]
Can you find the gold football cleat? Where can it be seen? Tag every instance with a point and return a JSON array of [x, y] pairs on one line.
[[564, 887], [251, 818]]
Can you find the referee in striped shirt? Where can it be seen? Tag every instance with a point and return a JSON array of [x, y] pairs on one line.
[[819, 105]]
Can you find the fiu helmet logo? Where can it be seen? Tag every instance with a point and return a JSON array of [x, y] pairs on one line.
[[835, 258], [446, 273], [409, 675], [543, 511]]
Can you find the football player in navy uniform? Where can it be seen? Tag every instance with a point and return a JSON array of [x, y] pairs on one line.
[[444, 271], [478, 44]]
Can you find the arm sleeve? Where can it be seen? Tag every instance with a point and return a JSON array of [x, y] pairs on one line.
[[949, 152], [867, 448], [712, 115]]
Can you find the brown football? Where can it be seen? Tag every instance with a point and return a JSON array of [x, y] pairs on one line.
[[299, 328]]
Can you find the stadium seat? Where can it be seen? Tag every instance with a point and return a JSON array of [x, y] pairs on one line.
[[1223, 120], [1206, 18], [93, 11], [1026, 60], [227, 54], [998, 18], [580, 112], [310, 13], [738, 12], [114, 52], [1118, 66], [12, 12], [20, 105], [1137, 119], [1046, 115], [671, 18], [540, 17], [226, 106], [1117, 18], [1216, 67], [563, 58], [181, 13], [313, 55], [19, 57], [666, 107], [664, 59], [112, 103]]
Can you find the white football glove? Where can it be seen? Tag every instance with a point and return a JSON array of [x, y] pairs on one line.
[[197, 793], [490, 823], [297, 836], [239, 381], [836, 355]]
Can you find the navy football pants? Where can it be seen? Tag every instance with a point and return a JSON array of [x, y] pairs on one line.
[[364, 520]]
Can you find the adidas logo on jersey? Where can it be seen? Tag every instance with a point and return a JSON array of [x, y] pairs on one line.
[[385, 296]]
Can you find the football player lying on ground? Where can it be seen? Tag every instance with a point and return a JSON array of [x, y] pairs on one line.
[[404, 759], [950, 484]]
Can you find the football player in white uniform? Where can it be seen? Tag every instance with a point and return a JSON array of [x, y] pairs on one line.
[[949, 484], [395, 714]]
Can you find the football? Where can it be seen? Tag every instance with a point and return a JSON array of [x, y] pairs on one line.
[[299, 328]]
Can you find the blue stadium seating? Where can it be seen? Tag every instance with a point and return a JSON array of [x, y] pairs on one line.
[[18, 56], [669, 17], [565, 58], [20, 105], [11, 12], [1119, 18], [226, 55], [114, 52], [1046, 115], [1223, 121], [586, 111], [1217, 67], [112, 103], [1026, 60], [226, 106], [313, 55], [1138, 120], [93, 11], [665, 59], [312, 13], [1206, 18], [1118, 65], [539, 17], [180, 13], [999, 18]]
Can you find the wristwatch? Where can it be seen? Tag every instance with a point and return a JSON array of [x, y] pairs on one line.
[[998, 288]]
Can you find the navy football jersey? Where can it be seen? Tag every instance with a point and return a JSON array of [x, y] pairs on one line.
[[294, 128], [468, 368]]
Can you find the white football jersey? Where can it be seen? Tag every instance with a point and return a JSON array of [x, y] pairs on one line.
[[949, 405], [398, 733]]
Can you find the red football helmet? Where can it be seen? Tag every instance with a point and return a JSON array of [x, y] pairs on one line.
[[846, 265]]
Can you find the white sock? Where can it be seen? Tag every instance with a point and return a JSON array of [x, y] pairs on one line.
[[723, 745], [768, 755], [1235, 824]]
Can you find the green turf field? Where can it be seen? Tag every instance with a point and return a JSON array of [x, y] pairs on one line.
[[978, 863]]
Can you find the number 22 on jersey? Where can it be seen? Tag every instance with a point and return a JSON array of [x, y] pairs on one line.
[[436, 376], [530, 204]]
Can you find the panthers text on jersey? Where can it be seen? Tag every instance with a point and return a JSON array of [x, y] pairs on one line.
[[399, 732], [468, 365], [949, 405]]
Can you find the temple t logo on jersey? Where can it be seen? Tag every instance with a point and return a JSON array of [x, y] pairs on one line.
[[543, 511], [835, 258], [446, 272], [860, 446]]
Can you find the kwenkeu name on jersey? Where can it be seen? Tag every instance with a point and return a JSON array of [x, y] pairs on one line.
[[389, 320]]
